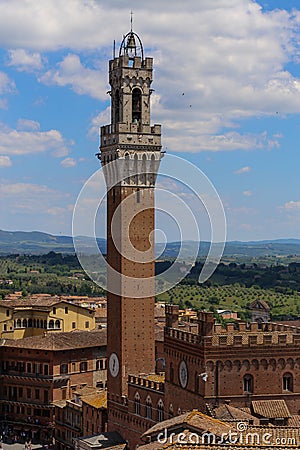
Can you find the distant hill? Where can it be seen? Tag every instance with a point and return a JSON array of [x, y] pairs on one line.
[[36, 242]]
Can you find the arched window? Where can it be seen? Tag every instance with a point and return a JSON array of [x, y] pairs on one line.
[[127, 172], [45, 324], [136, 169], [160, 411], [153, 168], [138, 196], [24, 323], [57, 324], [148, 408], [38, 323], [248, 383], [34, 323], [287, 382], [29, 323], [19, 323], [51, 324], [144, 169], [136, 105], [137, 404], [117, 107], [171, 410]]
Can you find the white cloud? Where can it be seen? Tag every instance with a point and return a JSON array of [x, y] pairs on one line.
[[292, 206], [247, 193], [244, 169], [28, 198], [52, 24], [70, 72], [15, 142], [59, 211], [100, 119], [7, 86], [193, 142], [229, 58], [24, 60], [27, 124], [68, 162], [5, 161], [12, 189]]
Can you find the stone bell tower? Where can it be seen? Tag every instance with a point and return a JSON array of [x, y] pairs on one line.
[[130, 156]]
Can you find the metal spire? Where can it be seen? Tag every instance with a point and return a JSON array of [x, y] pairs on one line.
[[131, 20]]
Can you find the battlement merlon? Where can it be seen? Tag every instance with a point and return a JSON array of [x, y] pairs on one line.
[[126, 64], [131, 134]]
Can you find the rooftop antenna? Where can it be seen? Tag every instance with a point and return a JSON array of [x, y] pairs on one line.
[[131, 20]]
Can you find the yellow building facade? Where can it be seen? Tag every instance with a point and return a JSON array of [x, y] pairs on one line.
[[23, 317]]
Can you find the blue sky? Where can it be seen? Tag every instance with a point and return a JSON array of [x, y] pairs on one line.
[[235, 61]]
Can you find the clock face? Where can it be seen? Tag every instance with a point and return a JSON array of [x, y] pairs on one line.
[[183, 374], [114, 365]]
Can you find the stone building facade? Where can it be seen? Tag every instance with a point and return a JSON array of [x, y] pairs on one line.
[[38, 371], [40, 314], [241, 363]]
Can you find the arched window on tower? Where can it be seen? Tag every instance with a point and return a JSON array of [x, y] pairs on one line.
[[117, 107], [144, 169], [127, 171], [148, 408], [248, 383], [136, 105], [138, 196], [160, 411], [137, 404], [287, 382]]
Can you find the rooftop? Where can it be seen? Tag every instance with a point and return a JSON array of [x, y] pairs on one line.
[[59, 341], [109, 440], [193, 419], [97, 401], [272, 409], [228, 413]]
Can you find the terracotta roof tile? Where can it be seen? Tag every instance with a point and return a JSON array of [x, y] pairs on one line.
[[59, 341], [97, 401], [271, 409], [229, 413], [194, 419]]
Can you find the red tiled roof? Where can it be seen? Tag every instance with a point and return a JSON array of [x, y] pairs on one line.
[[272, 409], [229, 413], [59, 341]]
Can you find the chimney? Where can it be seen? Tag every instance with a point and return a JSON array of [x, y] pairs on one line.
[[172, 315]]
